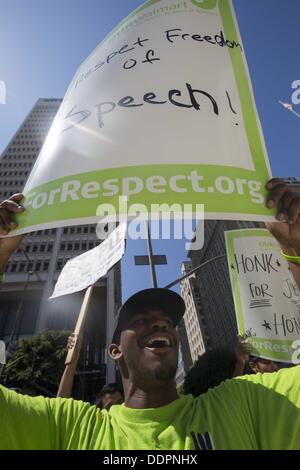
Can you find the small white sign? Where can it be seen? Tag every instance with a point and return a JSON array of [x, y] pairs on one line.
[[84, 270]]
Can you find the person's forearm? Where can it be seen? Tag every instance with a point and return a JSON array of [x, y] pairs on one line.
[[66, 383], [293, 249]]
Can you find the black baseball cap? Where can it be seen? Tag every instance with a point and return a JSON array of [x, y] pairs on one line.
[[254, 358], [166, 300]]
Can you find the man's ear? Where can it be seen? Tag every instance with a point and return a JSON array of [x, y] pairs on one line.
[[115, 352]]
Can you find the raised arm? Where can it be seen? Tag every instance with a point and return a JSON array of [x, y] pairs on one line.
[[67, 380], [8, 209], [31, 423], [287, 229]]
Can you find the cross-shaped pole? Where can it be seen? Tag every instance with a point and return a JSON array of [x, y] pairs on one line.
[[151, 260]]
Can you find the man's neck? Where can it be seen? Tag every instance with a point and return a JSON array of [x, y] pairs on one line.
[[138, 398]]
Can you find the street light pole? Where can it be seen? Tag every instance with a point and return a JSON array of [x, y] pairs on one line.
[[41, 323], [19, 315], [190, 273]]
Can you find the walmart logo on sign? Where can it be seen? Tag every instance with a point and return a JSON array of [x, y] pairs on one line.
[[2, 353], [2, 92]]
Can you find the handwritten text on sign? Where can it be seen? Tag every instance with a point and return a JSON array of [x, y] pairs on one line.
[[84, 270]]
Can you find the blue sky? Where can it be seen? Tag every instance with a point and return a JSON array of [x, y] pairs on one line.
[[42, 43]]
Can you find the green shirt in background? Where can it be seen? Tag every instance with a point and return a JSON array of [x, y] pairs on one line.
[[250, 412]]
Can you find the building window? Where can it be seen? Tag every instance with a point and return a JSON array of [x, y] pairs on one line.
[[22, 267], [70, 247], [76, 246], [13, 267], [49, 247], [59, 265], [38, 266], [46, 266]]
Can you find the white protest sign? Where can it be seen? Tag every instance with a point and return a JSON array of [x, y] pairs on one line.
[[84, 270], [266, 297], [161, 112]]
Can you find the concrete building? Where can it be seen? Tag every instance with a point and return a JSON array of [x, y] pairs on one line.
[[33, 270], [194, 325]]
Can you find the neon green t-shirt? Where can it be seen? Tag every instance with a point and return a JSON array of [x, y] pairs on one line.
[[250, 412]]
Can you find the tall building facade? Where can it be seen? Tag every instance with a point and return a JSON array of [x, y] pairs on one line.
[[33, 270], [194, 324]]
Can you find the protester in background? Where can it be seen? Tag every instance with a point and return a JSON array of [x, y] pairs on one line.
[[210, 369], [110, 395], [260, 365], [242, 353], [216, 366], [239, 414]]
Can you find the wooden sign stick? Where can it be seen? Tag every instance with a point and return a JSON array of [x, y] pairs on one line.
[[80, 321]]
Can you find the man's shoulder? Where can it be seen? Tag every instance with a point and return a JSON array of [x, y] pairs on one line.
[[289, 376], [282, 381]]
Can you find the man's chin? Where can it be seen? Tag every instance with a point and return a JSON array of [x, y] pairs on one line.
[[164, 375]]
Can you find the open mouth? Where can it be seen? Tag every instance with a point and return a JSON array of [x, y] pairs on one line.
[[158, 342]]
